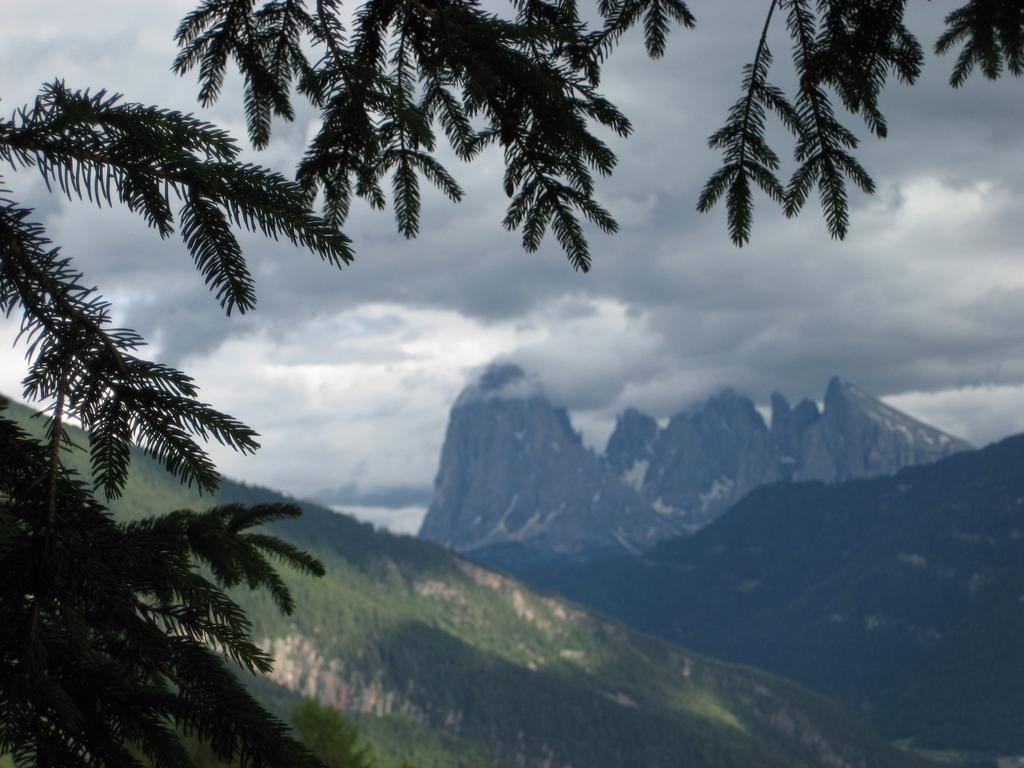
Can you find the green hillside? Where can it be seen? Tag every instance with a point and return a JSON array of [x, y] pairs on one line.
[[903, 596], [452, 664]]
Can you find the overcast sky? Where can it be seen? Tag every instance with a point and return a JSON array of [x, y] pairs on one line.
[[349, 375]]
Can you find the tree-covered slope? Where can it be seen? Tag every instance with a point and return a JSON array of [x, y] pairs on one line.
[[490, 672], [903, 596]]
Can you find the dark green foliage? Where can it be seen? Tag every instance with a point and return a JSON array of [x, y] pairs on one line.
[[114, 640], [747, 155], [528, 83], [399, 742], [991, 33], [846, 48], [112, 635], [330, 736], [407, 70], [93, 146]]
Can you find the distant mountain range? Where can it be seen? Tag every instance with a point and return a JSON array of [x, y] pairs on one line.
[[903, 596], [451, 665], [513, 470]]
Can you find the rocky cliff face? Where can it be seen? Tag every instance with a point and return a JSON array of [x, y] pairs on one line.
[[706, 459], [513, 470], [858, 435]]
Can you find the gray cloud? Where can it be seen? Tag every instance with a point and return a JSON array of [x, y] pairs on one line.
[[390, 497], [924, 297], [400, 519]]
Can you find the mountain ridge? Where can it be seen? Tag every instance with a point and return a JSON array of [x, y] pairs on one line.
[[902, 595], [513, 470]]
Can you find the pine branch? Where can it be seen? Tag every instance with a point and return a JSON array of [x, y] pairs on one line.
[[484, 79], [326, 11], [109, 389], [822, 142], [96, 147], [859, 46], [851, 48], [227, 33], [129, 635], [217, 254], [56, 436], [747, 156], [991, 33], [621, 15]]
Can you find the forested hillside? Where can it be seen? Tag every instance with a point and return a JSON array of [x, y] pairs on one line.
[[485, 671], [903, 596]]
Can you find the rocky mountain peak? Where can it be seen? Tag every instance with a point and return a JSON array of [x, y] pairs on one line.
[[499, 376], [501, 381], [631, 441], [806, 413], [835, 391], [861, 436], [780, 408], [514, 470], [733, 410]]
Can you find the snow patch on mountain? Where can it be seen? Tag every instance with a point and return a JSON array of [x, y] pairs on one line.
[[634, 476]]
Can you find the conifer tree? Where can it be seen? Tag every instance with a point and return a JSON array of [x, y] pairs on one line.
[[331, 737], [118, 636]]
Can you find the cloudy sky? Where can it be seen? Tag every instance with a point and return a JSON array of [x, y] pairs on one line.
[[349, 376]]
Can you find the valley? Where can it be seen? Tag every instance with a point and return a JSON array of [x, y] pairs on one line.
[[869, 556], [469, 667]]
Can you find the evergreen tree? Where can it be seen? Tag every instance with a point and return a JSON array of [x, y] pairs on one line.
[[114, 639], [112, 635], [117, 636], [113, 642], [330, 736]]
